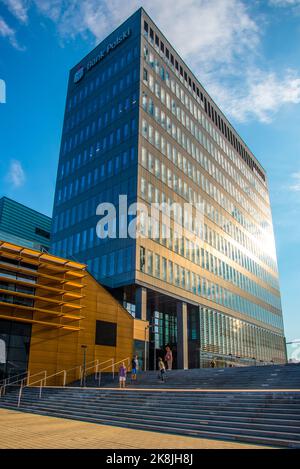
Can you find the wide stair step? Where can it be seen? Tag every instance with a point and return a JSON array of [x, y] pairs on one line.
[[261, 418], [259, 405]]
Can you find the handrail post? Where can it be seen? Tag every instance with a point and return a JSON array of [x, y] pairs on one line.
[[81, 375], [113, 368], [28, 377], [65, 378], [20, 394], [99, 379], [97, 370], [41, 385]]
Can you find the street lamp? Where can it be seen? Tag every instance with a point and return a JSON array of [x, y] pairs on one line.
[[84, 347]]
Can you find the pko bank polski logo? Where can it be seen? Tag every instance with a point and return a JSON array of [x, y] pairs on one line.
[[79, 75], [2, 92]]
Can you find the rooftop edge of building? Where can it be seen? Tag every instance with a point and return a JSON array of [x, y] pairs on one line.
[[5, 198]]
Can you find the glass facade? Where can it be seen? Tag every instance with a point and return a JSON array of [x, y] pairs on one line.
[[98, 157], [23, 226], [139, 123]]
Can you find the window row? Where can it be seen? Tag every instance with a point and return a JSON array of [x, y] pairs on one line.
[[92, 178], [175, 183], [103, 76], [152, 194], [117, 135], [154, 166], [87, 209], [166, 122], [114, 263], [104, 99], [160, 142], [193, 251], [225, 335], [174, 274], [202, 232], [205, 104]]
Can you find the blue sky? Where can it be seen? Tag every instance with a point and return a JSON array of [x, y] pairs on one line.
[[246, 54]]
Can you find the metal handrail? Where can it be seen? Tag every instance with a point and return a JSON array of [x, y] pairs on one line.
[[3, 388], [96, 367], [56, 374], [42, 382], [80, 368], [5, 381], [26, 385], [113, 368]]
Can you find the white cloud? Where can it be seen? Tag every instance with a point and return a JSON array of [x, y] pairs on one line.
[[2, 91], [295, 186], [259, 96], [16, 175], [284, 3], [8, 33], [219, 40], [207, 31], [18, 8]]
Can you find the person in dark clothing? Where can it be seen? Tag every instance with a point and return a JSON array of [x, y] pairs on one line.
[[134, 367]]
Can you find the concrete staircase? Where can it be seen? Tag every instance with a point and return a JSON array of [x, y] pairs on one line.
[[263, 417], [259, 405], [260, 377]]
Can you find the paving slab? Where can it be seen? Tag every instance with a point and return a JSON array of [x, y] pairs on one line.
[[29, 431]]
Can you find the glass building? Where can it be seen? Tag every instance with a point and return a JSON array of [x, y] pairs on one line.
[[138, 122], [24, 226]]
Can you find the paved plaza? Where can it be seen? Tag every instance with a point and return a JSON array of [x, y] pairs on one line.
[[28, 431]]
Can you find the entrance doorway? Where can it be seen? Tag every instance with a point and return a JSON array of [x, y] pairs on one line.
[[14, 348]]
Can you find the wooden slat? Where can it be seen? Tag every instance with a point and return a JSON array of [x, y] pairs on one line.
[[39, 310], [42, 323]]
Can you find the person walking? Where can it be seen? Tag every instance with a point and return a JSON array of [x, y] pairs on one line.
[[213, 363], [169, 357], [134, 367], [162, 369], [122, 375]]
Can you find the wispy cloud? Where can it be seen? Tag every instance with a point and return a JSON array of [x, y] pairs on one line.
[[19, 8], [210, 32], [8, 33], [295, 185], [16, 175], [284, 3], [220, 40], [260, 96]]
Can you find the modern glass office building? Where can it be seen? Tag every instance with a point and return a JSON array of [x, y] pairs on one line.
[[138, 122], [23, 225]]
